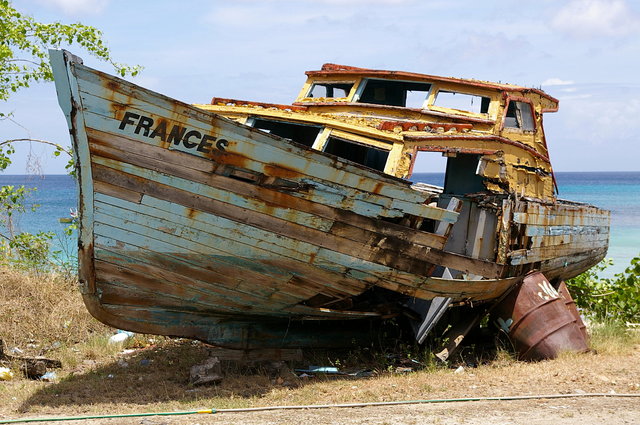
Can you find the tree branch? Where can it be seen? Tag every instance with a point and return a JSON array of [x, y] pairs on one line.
[[46, 142]]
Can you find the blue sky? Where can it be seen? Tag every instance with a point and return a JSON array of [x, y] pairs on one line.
[[584, 52]]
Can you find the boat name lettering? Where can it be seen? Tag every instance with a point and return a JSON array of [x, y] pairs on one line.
[[191, 139]]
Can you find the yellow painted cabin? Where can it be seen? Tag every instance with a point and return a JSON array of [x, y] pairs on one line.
[[401, 113]]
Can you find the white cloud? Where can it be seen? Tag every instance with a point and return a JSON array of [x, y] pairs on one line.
[[594, 18], [600, 121], [77, 7], [556, 82]]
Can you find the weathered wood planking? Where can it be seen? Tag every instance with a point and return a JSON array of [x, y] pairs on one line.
[[565, 208], [570, 266], [533, 255], [554, 219], [168, 187], [460, 290], [532, 230], [562, 230], [422, 292], [355, 199], [157, 288], [95, 86], [260, 271], [594, 238], [216, 275], [332, 284], [179, 166], [368, 256], [221, 238]]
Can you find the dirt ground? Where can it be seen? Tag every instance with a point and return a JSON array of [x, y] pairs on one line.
[[539, 412], [583, 411], [156, 381]]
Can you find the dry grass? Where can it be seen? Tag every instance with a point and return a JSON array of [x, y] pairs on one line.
[[99, 378], [613, 338], [39, 311]]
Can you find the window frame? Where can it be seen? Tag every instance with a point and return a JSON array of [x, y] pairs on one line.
[[520, 99], [363, 84], [357, 140], [431, 105], [307, 98], [251, 120]]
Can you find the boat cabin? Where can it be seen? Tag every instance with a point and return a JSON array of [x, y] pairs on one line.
[[492, 134]]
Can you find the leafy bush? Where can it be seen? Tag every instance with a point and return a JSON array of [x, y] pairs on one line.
[[614, 299]]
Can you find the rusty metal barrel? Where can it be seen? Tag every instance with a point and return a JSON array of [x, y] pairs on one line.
[[538, 322], [573, 309]]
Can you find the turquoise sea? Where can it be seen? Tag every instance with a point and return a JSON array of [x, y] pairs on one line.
[[616, 191]]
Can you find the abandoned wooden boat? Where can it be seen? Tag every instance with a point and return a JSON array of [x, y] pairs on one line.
[[249, 224]]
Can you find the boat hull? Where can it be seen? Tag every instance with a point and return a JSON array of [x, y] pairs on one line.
[[197, 226]]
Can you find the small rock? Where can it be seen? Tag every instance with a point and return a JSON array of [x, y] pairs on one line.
[[279, 369], [35, 369], [208, 372], [153, 422], [123, 363]]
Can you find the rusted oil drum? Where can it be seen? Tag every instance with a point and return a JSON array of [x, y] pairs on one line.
[[537, 321], [573, 309]]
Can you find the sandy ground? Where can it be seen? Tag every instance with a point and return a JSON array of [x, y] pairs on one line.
[[583, 411], [94, 392]]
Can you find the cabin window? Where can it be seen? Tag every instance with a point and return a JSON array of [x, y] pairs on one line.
[[366, 155], [429, 167], [519, 115], [462, 102], [299, 133], [330, 90], [394, 93], [461, 177]]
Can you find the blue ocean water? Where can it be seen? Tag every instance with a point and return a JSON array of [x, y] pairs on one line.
[[56, 196], [615, 191], [618, 192]]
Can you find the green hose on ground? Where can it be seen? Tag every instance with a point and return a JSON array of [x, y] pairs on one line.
[[317, 406], [124, 415]]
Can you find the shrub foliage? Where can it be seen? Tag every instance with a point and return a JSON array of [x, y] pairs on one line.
[[614, 299]]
